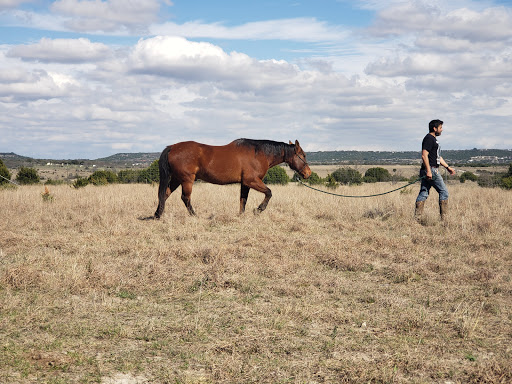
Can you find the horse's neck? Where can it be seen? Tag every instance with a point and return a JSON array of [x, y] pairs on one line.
[[284, 157]]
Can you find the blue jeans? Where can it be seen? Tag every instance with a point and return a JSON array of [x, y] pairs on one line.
[[436, 182]]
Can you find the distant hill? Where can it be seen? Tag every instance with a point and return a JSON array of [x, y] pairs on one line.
[[120, 160], [477, 157], [129, 159], [363, 157], [467, 156], [13, 160]]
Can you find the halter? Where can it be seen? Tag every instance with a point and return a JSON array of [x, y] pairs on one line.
[[304, 161]]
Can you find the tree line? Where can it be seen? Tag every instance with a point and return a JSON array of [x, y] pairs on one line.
[[351, 176], [275, 175]]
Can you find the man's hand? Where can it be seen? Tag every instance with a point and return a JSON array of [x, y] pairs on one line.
[[451, 170], [429, 175]]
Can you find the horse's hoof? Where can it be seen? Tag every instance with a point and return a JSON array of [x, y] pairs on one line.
[[148, 218]]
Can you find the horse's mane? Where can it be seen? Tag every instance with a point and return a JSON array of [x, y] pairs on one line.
[[268, 147]]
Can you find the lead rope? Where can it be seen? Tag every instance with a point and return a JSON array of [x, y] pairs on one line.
[[358, 196], [10, 181]]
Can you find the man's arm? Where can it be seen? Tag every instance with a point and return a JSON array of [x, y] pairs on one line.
[[448, 168], [424, 157]]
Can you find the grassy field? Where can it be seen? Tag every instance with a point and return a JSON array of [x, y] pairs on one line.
[[317, 289]]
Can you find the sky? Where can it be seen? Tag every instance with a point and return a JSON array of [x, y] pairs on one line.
[[91, 78]]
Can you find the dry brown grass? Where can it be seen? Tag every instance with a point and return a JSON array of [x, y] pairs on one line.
[[317, 289]]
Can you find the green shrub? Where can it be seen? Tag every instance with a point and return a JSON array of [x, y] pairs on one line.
[[103, 178], [377, 174], [276, 175], [54, 182], [81, 182], [467, 176], [98, 180], [4, 172], [347, 176], [330, 182], [370, 179], [27, 176], [489, 180], [413, 179], [506, 182], [314, 179], [150, 174], [503, 180], [128, 176]]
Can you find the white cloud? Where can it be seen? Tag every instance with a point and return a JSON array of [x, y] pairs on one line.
[[405, 17], [7, 4], [178, 57], [33, 20], [469, 73], [298, 29], [490, 24], [444, 44], [13, 75], [132, 18], [34, 85], [79, 50], [452, 50], [184, 60], [107, 15], [446, 6]]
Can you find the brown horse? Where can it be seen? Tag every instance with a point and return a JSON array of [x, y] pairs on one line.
[[242, 161]]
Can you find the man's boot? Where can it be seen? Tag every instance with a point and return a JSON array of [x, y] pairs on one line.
[[419, 209], [443, 209]]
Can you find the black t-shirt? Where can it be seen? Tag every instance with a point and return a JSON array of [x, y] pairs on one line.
[[431, 145]]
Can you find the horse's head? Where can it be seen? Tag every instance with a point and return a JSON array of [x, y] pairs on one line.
[[298, 161]]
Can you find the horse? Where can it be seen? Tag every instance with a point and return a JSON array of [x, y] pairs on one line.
[[243, 161]]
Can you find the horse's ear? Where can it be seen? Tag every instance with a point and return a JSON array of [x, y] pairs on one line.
[[290, 142], [297, 145]]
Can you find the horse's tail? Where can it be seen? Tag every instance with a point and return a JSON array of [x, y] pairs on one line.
[[165, 177]]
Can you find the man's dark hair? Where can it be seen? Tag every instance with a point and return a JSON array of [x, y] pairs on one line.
[[434, 124]]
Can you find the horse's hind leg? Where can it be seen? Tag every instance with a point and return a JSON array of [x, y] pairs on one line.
[[162, 198], [244, 194], [186, 192]]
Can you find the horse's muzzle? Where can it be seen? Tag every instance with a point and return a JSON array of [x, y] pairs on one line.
[[305, 172]]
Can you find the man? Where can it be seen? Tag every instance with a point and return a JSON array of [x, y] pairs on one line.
[[431, 177]]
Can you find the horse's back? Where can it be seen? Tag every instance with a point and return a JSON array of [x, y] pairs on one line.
[[213, 164]]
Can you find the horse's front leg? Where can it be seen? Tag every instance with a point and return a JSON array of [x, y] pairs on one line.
[[260, 186], [186, 192], [263, 205], [244, 194]]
